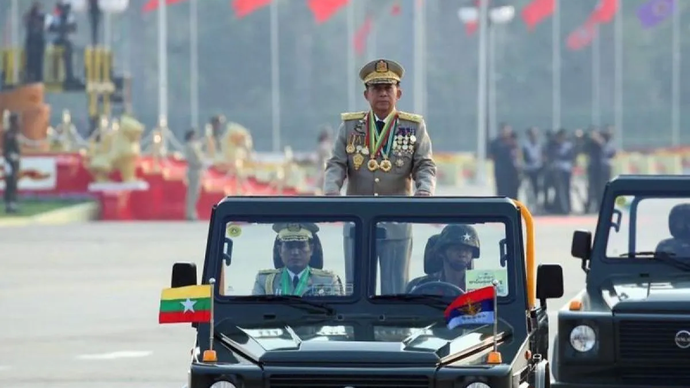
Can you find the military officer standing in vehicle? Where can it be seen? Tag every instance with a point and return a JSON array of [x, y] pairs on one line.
[[383, 151], [296, 247]]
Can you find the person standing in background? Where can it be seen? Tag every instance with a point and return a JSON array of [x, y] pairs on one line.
[[11, 152], [323, 153], [532, 149], [36, 23], [195, 170], [94, 19]]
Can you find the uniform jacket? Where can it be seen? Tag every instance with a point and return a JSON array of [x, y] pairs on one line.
[[413, 166], [418, 164], [194, 156], [320, 283]]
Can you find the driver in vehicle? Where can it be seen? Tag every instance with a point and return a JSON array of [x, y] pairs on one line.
[[298, 262], [448, 255], [679, 227]]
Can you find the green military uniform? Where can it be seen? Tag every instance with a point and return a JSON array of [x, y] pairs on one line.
[[383, 159], [277, 281], [457, 234], [308, 281]]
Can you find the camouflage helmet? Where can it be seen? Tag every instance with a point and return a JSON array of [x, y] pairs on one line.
[[459, 234]]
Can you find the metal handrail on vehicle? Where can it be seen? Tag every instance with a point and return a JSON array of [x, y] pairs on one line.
[[530, 264]]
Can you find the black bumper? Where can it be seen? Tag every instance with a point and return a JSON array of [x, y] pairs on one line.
[[555, 384]]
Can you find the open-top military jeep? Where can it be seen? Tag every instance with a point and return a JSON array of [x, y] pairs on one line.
[[630, 325], [300, 294]]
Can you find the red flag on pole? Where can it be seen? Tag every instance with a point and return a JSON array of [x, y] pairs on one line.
[[536, 11], [471, 27], [243, 8], [152, 5], [360, 38], [582, 36], [605, 12], [325, 9]]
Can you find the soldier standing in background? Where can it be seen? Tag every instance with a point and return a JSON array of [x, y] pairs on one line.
[[11, 152], [323, 153], [381, 152], [195, 170]]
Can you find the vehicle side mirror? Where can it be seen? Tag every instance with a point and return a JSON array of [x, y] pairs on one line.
[[582, 246], [549, 282], [183, 275]]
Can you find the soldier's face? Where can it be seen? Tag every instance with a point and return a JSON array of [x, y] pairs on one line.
[[295, 254], [458, 257], [382, 97]]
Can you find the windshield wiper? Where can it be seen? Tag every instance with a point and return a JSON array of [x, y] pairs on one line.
[[439, 301], [294, 301], [664, 257]]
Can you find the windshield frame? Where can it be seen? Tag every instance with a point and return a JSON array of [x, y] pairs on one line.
[[218, 259], [511, 248], [632, 223]]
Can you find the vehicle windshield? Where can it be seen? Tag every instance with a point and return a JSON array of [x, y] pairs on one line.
[[415, 258], [649, 226], [304, 259]]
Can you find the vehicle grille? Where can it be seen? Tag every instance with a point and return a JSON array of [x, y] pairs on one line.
[[677, 376], [340, 381], [651, 341]]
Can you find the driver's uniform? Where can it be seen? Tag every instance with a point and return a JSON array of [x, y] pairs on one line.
[[310, 282], [435, 277]]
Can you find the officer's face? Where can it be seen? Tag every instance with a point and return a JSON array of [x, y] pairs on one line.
[[458, 257], [295, 254], [382, 97]]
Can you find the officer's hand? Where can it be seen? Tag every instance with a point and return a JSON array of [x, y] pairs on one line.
[[332, 193], [422, 194]]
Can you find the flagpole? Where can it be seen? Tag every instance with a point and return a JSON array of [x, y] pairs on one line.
[[210, 354], [618, 72], [275, 77], [419, 56], [596, 113], [481, 92], [194, 63], [351, 92], [15, 41], [676, 72], [491, 76], [556, 67], [162, 62]]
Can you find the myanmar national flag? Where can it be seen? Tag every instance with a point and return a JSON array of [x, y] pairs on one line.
[[473, 308], [185, 304]]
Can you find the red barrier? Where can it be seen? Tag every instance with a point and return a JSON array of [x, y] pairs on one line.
[[161, 198]]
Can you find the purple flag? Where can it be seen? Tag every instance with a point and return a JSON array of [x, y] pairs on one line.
[[654, 12]]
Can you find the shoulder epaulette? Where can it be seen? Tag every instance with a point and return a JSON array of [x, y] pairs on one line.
[[321, 272], [268, 271], [410, 117], [347, 116]]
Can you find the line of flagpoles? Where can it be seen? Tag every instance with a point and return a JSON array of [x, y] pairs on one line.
[[588, 34]]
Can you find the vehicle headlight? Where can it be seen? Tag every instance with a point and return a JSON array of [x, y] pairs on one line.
[[583, 338], [223, 384], [478, 385]]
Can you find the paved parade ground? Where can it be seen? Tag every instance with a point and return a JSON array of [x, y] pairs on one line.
[[80, 302]]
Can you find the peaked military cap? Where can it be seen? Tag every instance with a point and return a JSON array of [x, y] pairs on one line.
[[295, 231], [381, 71]]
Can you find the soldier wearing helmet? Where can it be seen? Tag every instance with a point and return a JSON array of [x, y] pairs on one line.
[[448, 255]]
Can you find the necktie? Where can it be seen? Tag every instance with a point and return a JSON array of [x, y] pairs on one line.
[[379, 125], [295, 280]]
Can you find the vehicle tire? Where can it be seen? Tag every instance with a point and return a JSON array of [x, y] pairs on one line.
[[554, 358]]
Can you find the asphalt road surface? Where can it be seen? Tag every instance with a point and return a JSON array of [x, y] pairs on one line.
[[79, 303]]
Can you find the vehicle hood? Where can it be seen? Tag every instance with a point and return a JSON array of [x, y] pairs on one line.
[[323, 344], [659, 293]]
